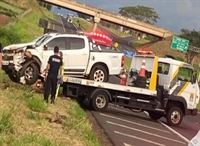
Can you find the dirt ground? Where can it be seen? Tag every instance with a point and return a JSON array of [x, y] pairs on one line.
[[4, 19]]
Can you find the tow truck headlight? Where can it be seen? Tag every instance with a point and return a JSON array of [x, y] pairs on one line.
[[28, 54]]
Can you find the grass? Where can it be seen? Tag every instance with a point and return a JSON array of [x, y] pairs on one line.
[[26, 120], [198, 106], [28, 26], [127, 63], [11, 7], [116, 32], [85, 25], [139, 42]]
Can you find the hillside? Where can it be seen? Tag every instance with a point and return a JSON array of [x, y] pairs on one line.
[[162, 48]]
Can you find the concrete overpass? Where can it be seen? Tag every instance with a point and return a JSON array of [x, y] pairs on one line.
[[99, 14]]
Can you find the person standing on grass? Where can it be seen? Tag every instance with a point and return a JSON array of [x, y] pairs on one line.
[[54, 67], [60, 80]]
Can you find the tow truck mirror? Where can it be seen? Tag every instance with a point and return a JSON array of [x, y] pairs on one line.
[[194, 78], [45, 47]]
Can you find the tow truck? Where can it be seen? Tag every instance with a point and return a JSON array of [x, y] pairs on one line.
[[169, 89]]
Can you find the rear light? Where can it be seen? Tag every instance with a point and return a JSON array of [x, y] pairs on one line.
[[122, 61]]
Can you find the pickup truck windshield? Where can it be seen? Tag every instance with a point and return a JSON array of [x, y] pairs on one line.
[[40, 41], [38, 38]]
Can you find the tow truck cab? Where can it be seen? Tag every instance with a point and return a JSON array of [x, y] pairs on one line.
[[169, 89], [176, 79]]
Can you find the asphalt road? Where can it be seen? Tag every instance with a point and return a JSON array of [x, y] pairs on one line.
[[126, 128], [62, 26], [131, 129]]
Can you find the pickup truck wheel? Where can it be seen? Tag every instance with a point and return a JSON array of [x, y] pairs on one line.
[[31, 73], [100, 101], [99, 74], [174, 116], [155, 116]]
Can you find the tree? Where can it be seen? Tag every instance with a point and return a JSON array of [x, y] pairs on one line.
[[193, 37], [140, 13]]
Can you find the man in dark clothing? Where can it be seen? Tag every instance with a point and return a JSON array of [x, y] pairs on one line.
[[53, 68]]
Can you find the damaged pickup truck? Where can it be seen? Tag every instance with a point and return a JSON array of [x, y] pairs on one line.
[[84, 58]]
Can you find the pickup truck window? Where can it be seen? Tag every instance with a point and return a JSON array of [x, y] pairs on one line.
[[76, 43], [60, 42]]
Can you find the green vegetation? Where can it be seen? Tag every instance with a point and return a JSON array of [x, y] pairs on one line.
[[12, 8], [198, 106], [127, 63], [84, 24], [138, 43], [116, 32], [25, 119]]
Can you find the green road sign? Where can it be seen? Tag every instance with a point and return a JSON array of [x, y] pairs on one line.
[[180, 44]]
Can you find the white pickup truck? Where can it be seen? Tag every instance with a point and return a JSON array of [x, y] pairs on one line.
[[82, 56]]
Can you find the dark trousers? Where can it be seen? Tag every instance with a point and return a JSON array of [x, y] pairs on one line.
[[50, 87]]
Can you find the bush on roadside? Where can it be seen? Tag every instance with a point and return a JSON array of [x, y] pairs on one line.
[[9, 36]]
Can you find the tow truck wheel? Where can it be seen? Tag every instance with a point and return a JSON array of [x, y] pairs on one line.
[[13, 78], [99, 74], [174, 116], [30, 73], [155, 116], [100, 101]]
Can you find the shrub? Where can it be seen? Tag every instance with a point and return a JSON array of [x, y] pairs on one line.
[[9, 36]]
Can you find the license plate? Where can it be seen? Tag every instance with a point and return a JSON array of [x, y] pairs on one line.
[[5, 63]]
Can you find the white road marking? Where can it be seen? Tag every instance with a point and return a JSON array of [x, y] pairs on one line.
[[145, 132], [153, 123], [62, 24], [175, 132], [198, 112], [126, 144], [172, 130], [142, 139], [135, 123]]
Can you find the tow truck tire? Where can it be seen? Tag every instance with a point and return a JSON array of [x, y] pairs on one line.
[[35, 73], [99, 70], [13, 78], [100, 101], [155, 116], [174, 116]]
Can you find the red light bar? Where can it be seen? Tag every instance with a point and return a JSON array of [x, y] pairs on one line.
[[100, 38]]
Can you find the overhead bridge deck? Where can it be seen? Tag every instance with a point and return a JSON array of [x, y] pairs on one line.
[[99, 14]]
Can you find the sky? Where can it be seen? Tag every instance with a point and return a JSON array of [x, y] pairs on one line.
[[174, 14]]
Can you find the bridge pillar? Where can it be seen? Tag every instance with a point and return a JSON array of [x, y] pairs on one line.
[[96, 21]]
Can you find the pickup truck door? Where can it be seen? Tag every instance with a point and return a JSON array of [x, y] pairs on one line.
[[61, 43], [78, 55]]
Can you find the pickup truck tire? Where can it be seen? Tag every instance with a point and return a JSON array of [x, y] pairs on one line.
[[155, 116], [174, 116], [100, 101], [31, 73], [99, 73]]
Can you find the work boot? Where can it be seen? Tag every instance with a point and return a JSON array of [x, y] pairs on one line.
[[52, 102]]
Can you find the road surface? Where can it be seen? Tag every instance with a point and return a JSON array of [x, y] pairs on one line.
[[126, 128], [130, 129]]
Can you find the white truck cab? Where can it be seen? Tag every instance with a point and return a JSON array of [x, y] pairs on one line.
[[83, 58]]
